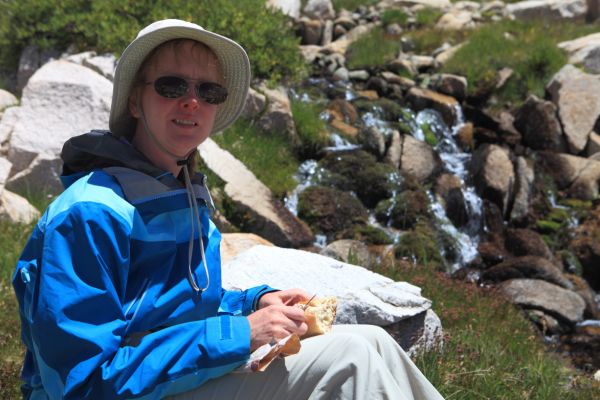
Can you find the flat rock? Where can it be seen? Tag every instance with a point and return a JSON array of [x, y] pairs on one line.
[[17, 209], [541, 295], [363, 296]]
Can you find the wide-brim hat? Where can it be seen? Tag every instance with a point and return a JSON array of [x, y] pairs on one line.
[[232, 58]]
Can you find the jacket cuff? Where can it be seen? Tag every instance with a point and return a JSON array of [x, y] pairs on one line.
[[229, 338], [253, 295]]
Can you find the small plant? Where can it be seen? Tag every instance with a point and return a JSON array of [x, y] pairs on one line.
[[394, 16], [428, 16], [311, 128], [363, 54], [268, 156]]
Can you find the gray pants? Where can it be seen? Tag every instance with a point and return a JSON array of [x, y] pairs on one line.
[[351, 362]]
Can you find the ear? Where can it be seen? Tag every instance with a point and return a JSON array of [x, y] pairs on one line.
[[132, 103]]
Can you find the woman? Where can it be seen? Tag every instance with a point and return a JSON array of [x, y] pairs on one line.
[[119, 286]]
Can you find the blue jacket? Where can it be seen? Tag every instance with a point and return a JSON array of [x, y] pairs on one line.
[[106, 307]]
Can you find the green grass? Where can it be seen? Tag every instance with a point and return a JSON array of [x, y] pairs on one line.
[[351, 5], [311, 129], [491, 351], [528, 48], [268, 155], [362, 53], [12, 241]]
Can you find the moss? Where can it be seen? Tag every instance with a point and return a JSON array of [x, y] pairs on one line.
[[430, 137], [366, 233], [405, 210], [420, 244]]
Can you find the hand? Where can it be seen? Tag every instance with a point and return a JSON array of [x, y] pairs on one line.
[[275, 322], [287, 297]]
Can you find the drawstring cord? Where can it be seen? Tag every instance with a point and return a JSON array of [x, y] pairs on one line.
[[194, 214]]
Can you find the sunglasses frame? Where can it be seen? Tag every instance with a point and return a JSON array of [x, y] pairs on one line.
[[209, 92]]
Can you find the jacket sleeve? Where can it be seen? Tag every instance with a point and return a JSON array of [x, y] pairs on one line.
[[77, 320], [242, 302]]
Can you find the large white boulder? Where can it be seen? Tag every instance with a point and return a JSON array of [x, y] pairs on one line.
[[363, 296], [61, 100]]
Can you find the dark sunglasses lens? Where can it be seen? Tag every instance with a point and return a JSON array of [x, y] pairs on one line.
[[211, 92], [170, 87]]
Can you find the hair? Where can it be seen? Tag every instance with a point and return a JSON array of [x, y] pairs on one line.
[[140, 77]]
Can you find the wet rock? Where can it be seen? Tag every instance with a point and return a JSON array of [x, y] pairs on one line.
[[372, 140], [329, 210], [359, 171], [558, 302], [343, 110], [538, 122], [587, 249], [394, 150], [423, 98], [493, 174], [448, 189], [582, 288], [526, 242], [527, 267], [404, 210], [419, 159], [575, 94]]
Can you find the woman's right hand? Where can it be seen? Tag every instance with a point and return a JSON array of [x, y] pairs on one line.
[[275, 322]]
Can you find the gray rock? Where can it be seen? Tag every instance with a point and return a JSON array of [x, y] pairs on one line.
[[538, 123], [288, 7], [541, 295], [61, 100], [349, 251], [547, 9], [575, 93], [267, 216], [319, 9], [532, 267], [524, 189], [578, 175], [424, 98], [255, 104], [16, 209], [578, 49], [418, 159], [494, 175], [7, 99], [363, 296]]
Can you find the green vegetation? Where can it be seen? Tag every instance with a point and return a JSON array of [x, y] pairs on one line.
[[394, 16], [491, 351], [311, 129], [268, 155], [363, 54], [108, 26], [351, 5], [12, 241], [528, 48]]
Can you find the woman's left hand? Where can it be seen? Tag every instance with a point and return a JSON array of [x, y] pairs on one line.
[[287, 297]]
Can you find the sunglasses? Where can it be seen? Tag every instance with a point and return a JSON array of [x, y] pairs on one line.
[[173, 87]]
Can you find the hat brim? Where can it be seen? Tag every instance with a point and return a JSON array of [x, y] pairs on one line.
[[232, 59]]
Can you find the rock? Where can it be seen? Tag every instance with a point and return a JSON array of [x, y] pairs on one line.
[[587, 249], [327, 35], [61, 98], [43, 174], [311, 31], [443, 57], [538, 122], [591, 62], [404, 82], [593, 145], [546, 323], [423, 98], [343, 110], [575, 94], [404, 210], [32, 58], [526, 242], [349, 251], [561, 303], [394, 151], [278, 118], [578, 49], [319, 9], [7, 123], [525, 177], [419, 159], [255, 104], [372, 140], [258, 210], [5, 167], [359, 171], [547, 9], [452, 85], [7, 99], [578, 175], [455, 20], [494, 175], [233, 244], [582, 288], [328, 210], [532, 267], [363, 296], [103, 64], [290, 8], [439, 4], [448, 190], [16, 209]]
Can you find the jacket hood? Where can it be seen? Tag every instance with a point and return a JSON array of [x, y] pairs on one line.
[[101, 149]]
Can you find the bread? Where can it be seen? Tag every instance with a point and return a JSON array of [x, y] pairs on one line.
[[320, 315]]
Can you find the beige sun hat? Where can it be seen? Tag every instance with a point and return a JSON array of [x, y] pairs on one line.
[[232, 58]]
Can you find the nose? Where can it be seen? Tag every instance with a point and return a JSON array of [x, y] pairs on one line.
[[189, 101]]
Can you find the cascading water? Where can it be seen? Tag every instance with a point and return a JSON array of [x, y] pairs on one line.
[[455, 161]]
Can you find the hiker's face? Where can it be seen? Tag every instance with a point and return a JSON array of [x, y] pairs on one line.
[[179, 124]]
